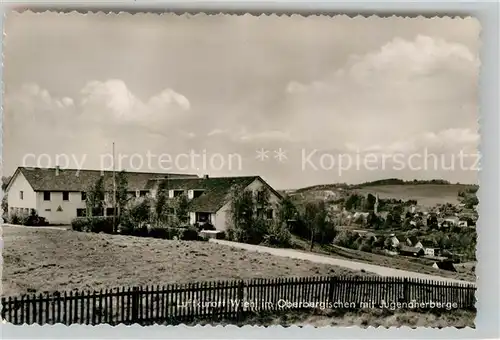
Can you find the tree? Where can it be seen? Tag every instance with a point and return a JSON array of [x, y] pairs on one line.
[[287, 210], [318, 223], [246, 224], [374, 221], [370, 202], [161, 206], [182, 209], [432, 222], [95, 198], [137, 214], [353, 202], [121, 195], [5, 182], [5, 206]]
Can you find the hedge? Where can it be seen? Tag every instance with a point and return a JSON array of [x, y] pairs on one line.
[[93, 224]]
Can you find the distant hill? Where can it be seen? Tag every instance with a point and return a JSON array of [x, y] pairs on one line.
[[425, 192]]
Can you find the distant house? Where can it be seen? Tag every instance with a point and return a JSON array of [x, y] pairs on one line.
[[451, 220], [394, 241], [410, 251], [430, 250], [444, 265], [413, 241]]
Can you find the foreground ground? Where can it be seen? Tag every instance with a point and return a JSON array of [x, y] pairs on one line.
[[364, 318], [44, 260]]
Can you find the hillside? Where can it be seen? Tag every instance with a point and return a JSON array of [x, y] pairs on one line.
[[426, 193]]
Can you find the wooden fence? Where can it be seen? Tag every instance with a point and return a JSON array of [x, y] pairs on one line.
[[231, 300]]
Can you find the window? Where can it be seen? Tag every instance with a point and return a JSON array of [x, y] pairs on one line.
[[84, 196], [110, 211], [143, 193], [81, 212], [197, 193], [21, 195], [178, 193], [48, 209], [46, 195], [65, 195], [97, 212], [260, 212], [269, 214]]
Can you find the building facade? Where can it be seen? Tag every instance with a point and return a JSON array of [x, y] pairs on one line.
[[59, 195]]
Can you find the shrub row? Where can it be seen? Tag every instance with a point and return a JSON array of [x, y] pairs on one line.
[[99, 224], [95, 224], [32, 220]]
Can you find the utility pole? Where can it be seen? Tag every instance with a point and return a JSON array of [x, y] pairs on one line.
[[114, 191]]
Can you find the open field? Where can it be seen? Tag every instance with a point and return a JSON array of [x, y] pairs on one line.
[[38, 260], [398, 262]]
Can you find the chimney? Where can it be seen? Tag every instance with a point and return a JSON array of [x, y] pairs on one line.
[[205, 176], [57, 170]]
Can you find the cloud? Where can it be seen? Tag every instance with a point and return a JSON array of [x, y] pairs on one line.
[[445, 141], [113, 98], [406, 87]]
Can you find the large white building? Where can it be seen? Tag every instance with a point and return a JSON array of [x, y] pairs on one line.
[[59, 195]]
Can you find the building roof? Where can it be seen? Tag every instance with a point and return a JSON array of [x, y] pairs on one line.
[[428, 244], [52, 179], [445, 265], [216, 190], [413, 240]]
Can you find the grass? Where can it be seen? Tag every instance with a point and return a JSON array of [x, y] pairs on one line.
[[362, 318], [38, 260], [399, 262]]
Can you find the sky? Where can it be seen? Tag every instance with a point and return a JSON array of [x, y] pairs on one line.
[[298, 101]]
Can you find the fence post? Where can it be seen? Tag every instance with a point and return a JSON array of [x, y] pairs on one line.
[[241, 295], [406, 290], [135, 304], [333, 283]]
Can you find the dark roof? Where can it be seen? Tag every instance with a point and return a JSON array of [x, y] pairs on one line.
[[216, 190], [428, 244], [413, 240], [51, 179], [407, 249], [446, 265]]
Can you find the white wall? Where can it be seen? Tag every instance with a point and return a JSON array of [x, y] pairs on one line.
[[20, 183], [56, 199]]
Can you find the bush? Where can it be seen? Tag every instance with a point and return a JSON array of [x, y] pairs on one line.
[[34, 220], [278, 235], [93, 224], [14, 219], [164, 232], [80, 223], [188, 234]]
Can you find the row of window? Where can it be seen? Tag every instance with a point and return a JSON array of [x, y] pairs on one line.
[[65, 195], [82, 212], [141, 193]]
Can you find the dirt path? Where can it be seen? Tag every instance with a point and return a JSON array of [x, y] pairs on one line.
[[383, 271]]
